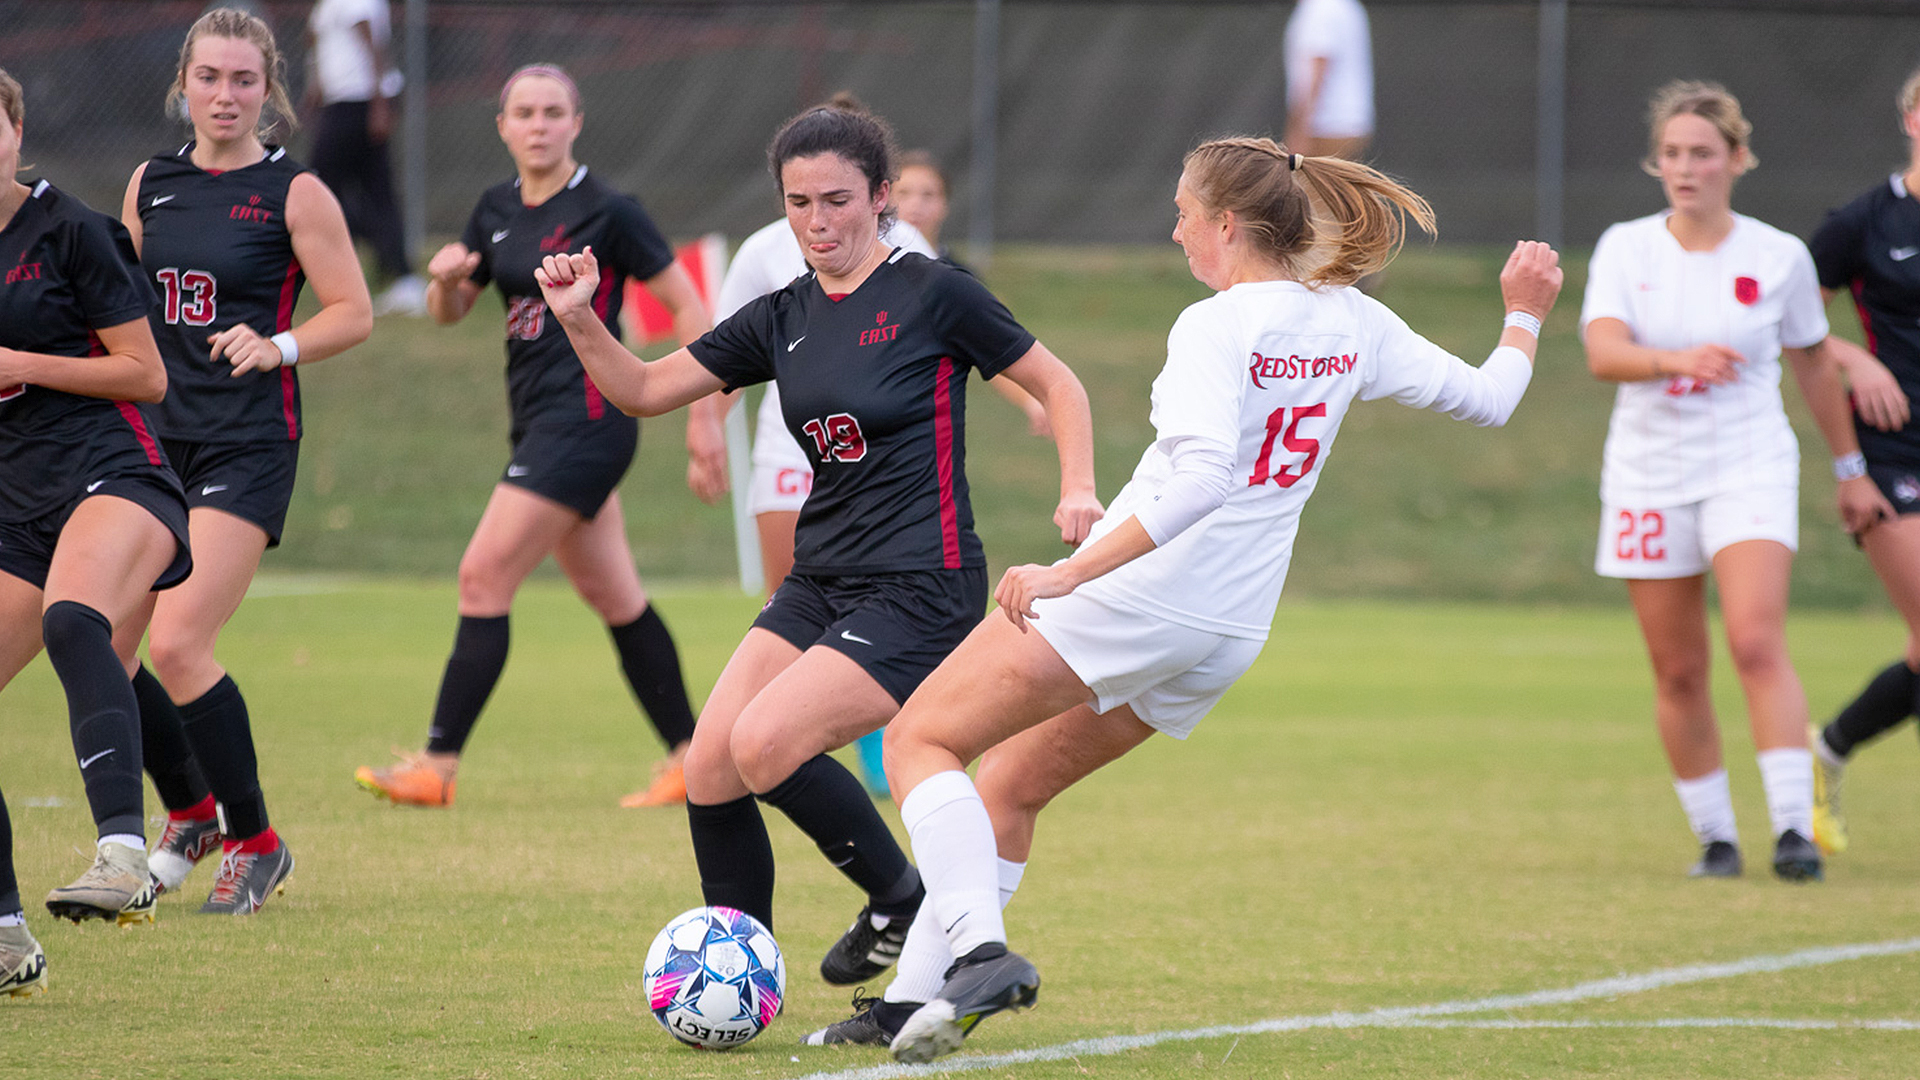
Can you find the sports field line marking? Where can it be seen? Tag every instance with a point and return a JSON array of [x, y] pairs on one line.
[[1423, 1015]]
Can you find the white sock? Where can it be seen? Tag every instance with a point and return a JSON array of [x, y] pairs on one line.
[[136, 842], [953, 846], [1827, 753], [1787, 775], [1708, 803], [18, 918], [925, 958]]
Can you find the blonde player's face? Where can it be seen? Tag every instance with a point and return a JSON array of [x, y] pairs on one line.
[[539, 124], [922, 200], [225, 88], [9, 152], [831, 211], [1199, 234], [1697, 167]]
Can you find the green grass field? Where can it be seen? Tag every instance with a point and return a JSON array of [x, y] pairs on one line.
[[1404, 806]]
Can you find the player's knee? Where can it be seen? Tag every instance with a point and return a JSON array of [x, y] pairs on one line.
[[483, 583], [175, 655], [1011, 792], [1756, 652], [68, 625]]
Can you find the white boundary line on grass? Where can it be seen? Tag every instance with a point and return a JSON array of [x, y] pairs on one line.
[[1422, 1015]]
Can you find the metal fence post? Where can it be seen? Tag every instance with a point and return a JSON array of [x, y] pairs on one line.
[[413, 153], [1549, 169], [986, 132]]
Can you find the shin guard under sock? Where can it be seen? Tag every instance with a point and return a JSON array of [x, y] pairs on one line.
[[831, 807], [101, 713], [163, 745], [734, 856], [221, 733], [652, 666], [479, 655], [1887, 699]]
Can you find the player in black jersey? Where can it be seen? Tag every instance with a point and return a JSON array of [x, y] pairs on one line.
[[90, 516], [1871, 247], [228, 229], [558, 495], [871, 351]]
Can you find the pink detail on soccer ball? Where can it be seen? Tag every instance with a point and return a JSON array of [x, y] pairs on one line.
[[769, 1008], [665, 988]]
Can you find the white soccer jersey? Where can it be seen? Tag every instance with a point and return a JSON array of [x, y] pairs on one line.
[[1268, 369], [1677, 441], [1337, 30], [767, 260]]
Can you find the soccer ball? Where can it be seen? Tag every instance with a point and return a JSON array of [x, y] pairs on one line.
[[714, 977]]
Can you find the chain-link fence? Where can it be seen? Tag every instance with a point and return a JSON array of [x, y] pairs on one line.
[[1094, 102]]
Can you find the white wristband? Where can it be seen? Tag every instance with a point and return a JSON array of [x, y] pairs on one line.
[[1850, 466], [289, 348], [1524, 321]]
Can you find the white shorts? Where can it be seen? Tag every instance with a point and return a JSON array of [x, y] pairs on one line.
[[1681, 541], [782, 475], [1170, 675]]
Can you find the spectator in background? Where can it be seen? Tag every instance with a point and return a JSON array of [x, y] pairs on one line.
[[352, 81], [1329, 64]]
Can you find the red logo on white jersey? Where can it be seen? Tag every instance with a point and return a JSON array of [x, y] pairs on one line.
[[1299, 367], [1746, 290]]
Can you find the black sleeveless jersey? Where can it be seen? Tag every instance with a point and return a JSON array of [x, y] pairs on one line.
[[545, 382], [1871, 247], [69, 271], [873, 385], [216, 246]]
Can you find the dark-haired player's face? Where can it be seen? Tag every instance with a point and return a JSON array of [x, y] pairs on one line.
[[539, 123], [833, 212], [226, 87]]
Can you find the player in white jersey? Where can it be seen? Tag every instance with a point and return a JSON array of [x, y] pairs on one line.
[[1171, 597], [1690, 311]]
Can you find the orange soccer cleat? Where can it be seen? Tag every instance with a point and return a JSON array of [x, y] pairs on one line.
[[420, 779], [669, 787]]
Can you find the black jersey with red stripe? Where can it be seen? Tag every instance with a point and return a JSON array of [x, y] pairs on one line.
[[545, 382], [216, 246], [68, 272], [873, 385], [1871, 247]]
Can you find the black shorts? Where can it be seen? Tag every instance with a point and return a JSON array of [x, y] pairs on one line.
[[26, 547], [897, 627], [1900, 483], [253, 481], [577, 467]]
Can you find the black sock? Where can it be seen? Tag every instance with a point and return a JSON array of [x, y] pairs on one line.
[[221, 733], [101, 713], [735, 858], [479, 655], [163, 743], [1887, 700], [9, 885], [652, 666], [831, 807]]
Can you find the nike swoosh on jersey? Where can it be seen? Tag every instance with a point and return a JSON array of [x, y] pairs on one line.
[[211, 488], [795, 341], [95, 486], [501, 235], [1902, 254], [84, 762], [851, 636], [518, 470], [158, 199]]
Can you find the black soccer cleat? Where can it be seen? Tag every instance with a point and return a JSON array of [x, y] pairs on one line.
[[874, 1023], [1795, 858], [869, 947], [1719, 858], [985, 981]]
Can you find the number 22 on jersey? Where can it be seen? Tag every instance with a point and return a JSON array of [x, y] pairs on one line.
[[189, 295]]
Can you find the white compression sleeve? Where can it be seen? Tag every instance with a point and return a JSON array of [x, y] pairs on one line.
[[1486, 395], [1202, 478]]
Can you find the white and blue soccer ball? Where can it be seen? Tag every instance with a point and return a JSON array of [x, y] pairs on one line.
[[715, 978]]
